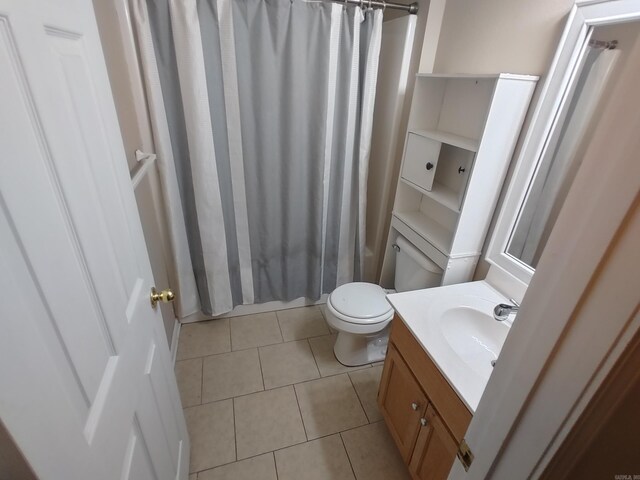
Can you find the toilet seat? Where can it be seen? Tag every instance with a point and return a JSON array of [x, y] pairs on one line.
[[359, 307], [362, 302], [360, 321]]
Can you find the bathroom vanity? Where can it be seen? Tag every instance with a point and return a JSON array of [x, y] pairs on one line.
[[425, 416], [441, 350]]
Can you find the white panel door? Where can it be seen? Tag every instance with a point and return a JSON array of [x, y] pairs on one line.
[[87, 388]]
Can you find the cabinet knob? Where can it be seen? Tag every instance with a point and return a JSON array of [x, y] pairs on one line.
[[423, 422], [429, 165], [415, 406]]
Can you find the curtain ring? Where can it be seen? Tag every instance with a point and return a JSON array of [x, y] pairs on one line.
[[384, 5], [370, 5]]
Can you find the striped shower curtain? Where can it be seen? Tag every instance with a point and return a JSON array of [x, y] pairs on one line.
[[262, 114]]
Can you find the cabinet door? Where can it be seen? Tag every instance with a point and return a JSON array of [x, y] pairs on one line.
[[420, 160], [401, 401], [435, 449]]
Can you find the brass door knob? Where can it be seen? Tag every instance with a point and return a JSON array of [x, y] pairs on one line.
[[165, 296]]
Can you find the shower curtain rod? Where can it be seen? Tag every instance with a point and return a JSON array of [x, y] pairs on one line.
[[607, 45], [412, 9]]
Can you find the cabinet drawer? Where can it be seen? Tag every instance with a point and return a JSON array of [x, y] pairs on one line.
[[452, 410], [420, 160]]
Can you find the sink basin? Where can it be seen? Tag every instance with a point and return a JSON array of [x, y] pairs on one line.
[[474, 336], [455, 326]]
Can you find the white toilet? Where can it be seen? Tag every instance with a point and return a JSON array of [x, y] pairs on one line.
[[361, 314]]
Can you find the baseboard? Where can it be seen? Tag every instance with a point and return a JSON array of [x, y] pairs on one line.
[[174, 341], [258, 308]]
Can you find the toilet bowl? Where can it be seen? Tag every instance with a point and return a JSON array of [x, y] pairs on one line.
[[359, 311], [361, 314]]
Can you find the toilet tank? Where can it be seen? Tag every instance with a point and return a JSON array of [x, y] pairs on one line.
[[413, 269]]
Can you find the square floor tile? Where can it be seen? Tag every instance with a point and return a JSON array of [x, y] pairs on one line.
[[299, 323], [261, 467], [366, 383], [329, 405], [267, 421], [322, 348], [287, 363], [204, 338], [373, 453], [231, 374], [255, 330], [212, 436], [321, 459], [189, 376]]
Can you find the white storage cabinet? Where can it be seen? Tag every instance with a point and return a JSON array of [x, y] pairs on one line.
[[461, 135]]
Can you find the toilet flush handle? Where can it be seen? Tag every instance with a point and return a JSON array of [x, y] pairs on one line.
[[395, 247]]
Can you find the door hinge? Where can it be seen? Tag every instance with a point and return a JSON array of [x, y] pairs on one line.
[[465, 455]]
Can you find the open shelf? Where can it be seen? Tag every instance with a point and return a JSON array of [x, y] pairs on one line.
[[439, 236], [440, 193], [449, 138]]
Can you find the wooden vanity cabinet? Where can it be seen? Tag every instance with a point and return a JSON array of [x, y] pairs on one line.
[[425, 416], [402, 402]]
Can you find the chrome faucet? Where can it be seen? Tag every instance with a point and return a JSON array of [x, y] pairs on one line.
[[502, 311]]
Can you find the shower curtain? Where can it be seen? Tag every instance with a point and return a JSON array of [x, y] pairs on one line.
[[261, 113]]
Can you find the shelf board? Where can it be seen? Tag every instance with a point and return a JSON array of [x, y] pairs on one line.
[[450, 139], [440, 193], [453, 76], [458, 75], [445, 195], [427, 228]]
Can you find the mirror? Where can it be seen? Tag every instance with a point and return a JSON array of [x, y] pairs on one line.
[[562, 153], [584, 71]]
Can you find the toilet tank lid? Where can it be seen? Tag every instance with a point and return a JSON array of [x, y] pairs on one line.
[[360, 300]]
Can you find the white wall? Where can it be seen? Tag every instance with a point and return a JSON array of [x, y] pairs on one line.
[[431, 37], [489, 36]]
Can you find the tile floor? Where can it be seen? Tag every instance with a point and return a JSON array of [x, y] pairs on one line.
[[265, 398]]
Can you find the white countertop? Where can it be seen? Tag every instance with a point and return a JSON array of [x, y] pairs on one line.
[[419, 310]]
